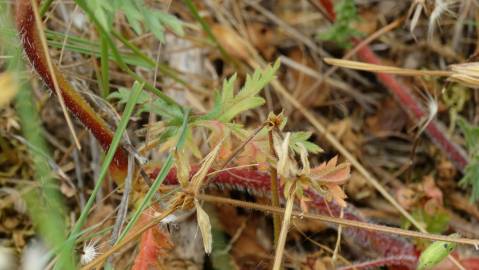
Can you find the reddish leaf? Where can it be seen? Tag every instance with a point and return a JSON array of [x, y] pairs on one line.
[[153, 243]]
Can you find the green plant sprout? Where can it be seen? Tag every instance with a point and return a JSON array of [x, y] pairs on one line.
[[342, 30]]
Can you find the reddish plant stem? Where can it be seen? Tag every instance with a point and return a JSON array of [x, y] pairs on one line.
[[329, 8], [388, 261], [31, 43], [258, 183], [435, 130]]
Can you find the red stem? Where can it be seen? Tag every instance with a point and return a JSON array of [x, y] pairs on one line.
[[32, 46], [388, 261], [435, 130], [258, 183]]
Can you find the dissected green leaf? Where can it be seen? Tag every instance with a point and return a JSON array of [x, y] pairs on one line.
[[137, 15], [301, 138], [123, 94], [157, 106], [227, 105]]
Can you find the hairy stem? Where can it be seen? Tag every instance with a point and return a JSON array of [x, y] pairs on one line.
[[31, 42], [274, 190], [258, 183]]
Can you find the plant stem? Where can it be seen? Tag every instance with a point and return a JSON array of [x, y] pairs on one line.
[[274, 190], [31, 43], [339, 221], [104, 168], [278, 256]]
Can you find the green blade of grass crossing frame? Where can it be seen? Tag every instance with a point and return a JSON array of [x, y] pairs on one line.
[[159, 179]]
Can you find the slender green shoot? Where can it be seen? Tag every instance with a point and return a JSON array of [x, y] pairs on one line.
[[136, 90], [44, 7], [159, 179]]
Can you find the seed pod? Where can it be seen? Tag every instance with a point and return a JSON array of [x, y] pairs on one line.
[[435, 253]]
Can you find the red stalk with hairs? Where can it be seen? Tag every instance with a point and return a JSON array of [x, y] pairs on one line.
[[32, 46], [398, 250]]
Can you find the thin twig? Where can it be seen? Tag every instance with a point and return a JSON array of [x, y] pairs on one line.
[[123, 208], [339, 221], [338, 240], [239, 148], [386, 69], [274, 189], [278, 256]]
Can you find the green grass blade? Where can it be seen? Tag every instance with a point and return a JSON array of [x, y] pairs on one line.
[[159, 179], [136, 90]]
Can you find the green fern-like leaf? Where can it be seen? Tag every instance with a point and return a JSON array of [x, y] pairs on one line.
[[301, 138], [227, 105], [138, 15]]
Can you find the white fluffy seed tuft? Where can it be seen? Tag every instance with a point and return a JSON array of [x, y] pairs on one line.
[[89, 253]]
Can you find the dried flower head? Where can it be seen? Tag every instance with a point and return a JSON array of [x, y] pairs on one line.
[[467, 74]]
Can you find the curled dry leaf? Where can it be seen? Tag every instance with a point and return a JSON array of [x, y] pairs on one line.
[[200, 175], [285, 166], [329, 172], [467, 73], [330, 175], [205, 227], [431, 190], [183, 168], [337, 194]]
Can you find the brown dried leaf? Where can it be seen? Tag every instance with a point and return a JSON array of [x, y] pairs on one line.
[[328, 172], [205, 227], [200, 175]]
